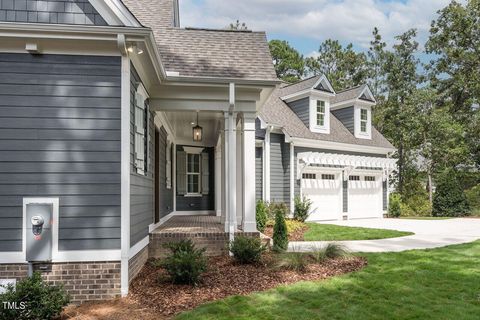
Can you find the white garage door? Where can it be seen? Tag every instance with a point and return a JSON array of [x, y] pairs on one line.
[[325, 192], [365, 196]]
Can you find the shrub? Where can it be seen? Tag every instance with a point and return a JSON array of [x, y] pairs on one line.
[[330, 251], [473, 198], [394, 209], [449, 199], [296, 261], [301, 208], [261, 215], [280, 234], [185, 264], [294, 225], [247, 250], [41, 300]]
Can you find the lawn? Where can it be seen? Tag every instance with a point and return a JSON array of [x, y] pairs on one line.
[[420, 284], [330, 232]]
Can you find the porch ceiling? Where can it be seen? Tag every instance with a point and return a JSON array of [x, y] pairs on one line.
[[182, 123]]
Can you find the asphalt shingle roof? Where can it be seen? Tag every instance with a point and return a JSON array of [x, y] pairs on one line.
[[348, 94], [202, 52], [276, 112]]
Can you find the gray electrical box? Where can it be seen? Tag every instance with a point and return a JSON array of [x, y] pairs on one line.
[[39, 232]]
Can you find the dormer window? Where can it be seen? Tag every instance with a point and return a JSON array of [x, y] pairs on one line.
[[363, 120], [320, 113]]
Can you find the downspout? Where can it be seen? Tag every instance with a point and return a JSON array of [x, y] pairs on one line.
[[125, 164], [266, 169], [231, 169]]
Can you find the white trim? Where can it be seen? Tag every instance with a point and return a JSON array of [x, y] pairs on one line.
[[321, 144], [313, 117], [154, 226], [194, 213], [307, 93], [266, 168], [139, 246], [88, 255], [125, 174], [357, 122], [54, 201], [368, 93], [323, 79], [115, 13], [193, 150], [292, 177], [351, 102], [12, 257]]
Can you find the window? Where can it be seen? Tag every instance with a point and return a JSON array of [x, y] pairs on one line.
[[363, 120], [328, 177], [309, 176], [193, 173], [354, 178], [168, 165], [141, 131], [369, 178], [320, 113]]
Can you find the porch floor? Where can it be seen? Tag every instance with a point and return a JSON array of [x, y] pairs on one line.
[[191, 225]]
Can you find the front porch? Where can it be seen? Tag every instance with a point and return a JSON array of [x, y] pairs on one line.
[[206, 231]]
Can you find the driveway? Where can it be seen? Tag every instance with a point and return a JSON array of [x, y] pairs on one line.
[[428, 234]]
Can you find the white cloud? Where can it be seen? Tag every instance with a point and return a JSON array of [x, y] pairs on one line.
[[345, 20]]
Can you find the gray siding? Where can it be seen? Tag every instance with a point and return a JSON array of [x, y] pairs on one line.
[[346, 117], [279, 169], [205, 202], [302, 110], [258, 173], [165, 200], [79, 12], [142, 201], [259, 132], [60, 137], [345, 195]]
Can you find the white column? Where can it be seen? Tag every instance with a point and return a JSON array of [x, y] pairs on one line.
[[230, 176], [292, 177], [266, 168], [218, 178], [174, 175], [239, 170], [249, 222], [224, 176]]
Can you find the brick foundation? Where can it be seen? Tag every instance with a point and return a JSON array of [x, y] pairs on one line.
[[84, 281], [136, 263]]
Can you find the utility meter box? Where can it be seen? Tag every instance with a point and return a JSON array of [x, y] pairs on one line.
[[39, 232]]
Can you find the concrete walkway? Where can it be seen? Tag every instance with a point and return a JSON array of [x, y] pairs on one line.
[[428, 234]]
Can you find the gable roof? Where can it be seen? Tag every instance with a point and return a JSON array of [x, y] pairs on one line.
[[205, 52], [276, 112], [354, 93], [314, 82]]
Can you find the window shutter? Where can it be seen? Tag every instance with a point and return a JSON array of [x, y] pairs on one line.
[[168, 164], [181, 172], [140, 133], [205, 173]]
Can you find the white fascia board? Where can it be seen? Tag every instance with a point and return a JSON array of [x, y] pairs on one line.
[[367, 92], [325, 80], [115, 13], [172, 77], [351, 102], [307, 93], [329, 145]]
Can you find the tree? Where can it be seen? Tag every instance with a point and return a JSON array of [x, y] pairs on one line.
[[237, 25], [343, 66], [449, 199], [288, 62], [375, 63]]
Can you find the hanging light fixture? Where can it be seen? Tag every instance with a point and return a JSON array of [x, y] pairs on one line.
[[197, 132]]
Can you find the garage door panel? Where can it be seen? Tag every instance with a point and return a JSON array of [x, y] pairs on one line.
[[326, 198], [365, 198]]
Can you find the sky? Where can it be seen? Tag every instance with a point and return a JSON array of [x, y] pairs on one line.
[[306, 23]]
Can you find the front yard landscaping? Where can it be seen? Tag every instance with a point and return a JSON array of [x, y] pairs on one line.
[[298, 231], [419, 284]]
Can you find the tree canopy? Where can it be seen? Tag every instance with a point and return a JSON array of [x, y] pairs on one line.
[[288, 62]]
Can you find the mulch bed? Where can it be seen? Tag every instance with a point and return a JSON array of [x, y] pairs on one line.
[[225, 278], [297, 235]]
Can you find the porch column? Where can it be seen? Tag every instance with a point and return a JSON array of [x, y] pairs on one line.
[[249, 221], [218, 177], [239, 171], [230, 175]]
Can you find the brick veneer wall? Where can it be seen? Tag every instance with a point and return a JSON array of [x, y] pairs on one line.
[[216, 243], [136, 263], [84, 281]]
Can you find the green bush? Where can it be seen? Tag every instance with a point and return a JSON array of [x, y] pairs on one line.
[[34, 298], [330, 251], [261, 215], [301, 208], [394, 209], [185, 264], [473, 198], [247, 250], [449, 199], [297, 261], [280, 234]]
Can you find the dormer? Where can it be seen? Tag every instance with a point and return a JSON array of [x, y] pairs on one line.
[[310, 100], [353, 107]]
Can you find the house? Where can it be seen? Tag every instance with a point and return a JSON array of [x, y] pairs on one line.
[[97, 103], [317, 143], [120, 130]]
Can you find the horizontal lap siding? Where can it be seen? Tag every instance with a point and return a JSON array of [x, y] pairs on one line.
[[165, 200], [346, 117], [301, 108], [279, 169], [52, 11], [60, 137], [142, 202]]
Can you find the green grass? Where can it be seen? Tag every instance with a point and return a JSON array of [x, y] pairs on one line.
[[330, 232], [427, 218], [420, 284]]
